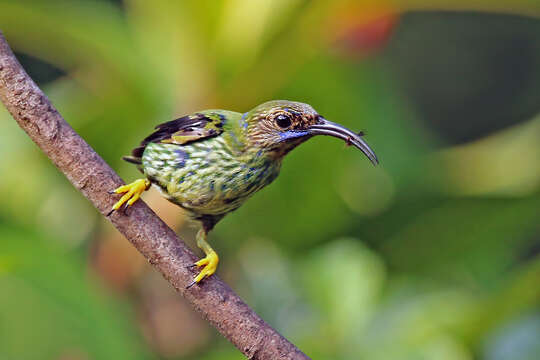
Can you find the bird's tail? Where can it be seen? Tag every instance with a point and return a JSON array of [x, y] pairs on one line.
[[132, 159], [136, 155]]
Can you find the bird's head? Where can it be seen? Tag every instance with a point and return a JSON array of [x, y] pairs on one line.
[[279, 126]]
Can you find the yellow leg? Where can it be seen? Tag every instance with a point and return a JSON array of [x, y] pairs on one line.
[[132, 192], [210, 262]]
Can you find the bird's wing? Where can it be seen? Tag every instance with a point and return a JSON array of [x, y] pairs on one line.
[[182, 131]]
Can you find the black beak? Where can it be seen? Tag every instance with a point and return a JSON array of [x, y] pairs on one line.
[[325, 127]]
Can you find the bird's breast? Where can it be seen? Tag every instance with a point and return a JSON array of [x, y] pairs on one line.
[[206, 177]]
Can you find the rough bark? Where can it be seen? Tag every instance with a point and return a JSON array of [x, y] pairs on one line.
[[169, 255]]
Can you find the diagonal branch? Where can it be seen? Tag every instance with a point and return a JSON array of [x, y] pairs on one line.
[[89, 173]]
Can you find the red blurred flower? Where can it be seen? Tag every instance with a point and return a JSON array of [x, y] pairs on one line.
[[357, 29]]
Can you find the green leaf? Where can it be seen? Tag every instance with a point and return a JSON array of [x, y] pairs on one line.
[[48, 296]]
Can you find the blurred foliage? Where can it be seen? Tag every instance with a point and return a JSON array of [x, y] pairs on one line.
[[435, 254], [48, 300]]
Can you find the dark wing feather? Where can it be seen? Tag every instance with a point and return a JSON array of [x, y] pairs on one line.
[[181, 131]]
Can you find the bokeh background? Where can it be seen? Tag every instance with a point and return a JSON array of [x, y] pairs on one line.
[[434, 254]]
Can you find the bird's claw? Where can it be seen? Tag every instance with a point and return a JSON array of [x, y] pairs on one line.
[[132, 192], [125, 209], [210, 263]]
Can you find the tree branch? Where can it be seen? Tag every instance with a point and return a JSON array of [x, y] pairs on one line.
[[89, 173]]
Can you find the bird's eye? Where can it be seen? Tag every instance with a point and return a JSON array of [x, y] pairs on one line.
[[283, 121]]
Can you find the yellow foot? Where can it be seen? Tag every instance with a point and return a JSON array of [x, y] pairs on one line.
[[210, 263], [132, 192]]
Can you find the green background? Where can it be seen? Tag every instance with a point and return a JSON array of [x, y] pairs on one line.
[[434, 254]]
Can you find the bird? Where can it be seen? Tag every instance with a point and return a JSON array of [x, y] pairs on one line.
[[210, 162]]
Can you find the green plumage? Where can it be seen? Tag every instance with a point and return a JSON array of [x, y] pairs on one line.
[[208, 178], [211, 162]]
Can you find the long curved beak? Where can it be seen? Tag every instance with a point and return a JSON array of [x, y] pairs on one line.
[[325, 127]]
